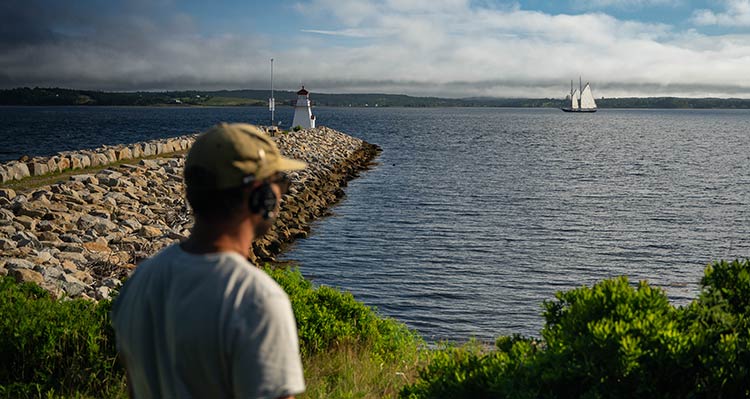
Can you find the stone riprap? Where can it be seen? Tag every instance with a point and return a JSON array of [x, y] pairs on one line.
[[105, 155], [80, 237]]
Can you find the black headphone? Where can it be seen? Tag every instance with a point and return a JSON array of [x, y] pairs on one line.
[[263, 201]]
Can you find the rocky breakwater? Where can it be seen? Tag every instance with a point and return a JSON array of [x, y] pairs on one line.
[[80, 237]]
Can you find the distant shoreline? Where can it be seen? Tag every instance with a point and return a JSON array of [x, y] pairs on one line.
[[67, 97]]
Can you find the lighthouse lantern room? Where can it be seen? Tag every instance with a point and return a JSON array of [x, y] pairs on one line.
[[303, 116]]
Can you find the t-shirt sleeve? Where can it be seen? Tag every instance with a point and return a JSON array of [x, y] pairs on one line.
[[265, 357]]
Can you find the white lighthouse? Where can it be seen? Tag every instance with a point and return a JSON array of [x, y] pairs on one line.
[[303, 116]]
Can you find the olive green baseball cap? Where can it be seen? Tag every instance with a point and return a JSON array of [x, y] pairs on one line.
[[231, 155]]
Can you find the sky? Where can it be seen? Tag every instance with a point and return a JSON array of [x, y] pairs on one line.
[[446, 48]]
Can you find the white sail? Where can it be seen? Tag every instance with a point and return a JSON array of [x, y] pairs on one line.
[[574, 99], [587, 99]]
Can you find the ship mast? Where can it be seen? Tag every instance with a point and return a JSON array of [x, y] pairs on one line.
[[271, 101], [580, 90]]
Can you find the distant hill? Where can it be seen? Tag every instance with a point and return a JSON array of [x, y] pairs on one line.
[[58, 96]]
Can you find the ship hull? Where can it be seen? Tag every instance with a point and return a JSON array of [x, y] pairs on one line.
[[578, 109]]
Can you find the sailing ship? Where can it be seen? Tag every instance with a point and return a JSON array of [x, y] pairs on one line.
[[581, 100]]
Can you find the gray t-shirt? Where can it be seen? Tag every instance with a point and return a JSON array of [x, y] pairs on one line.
[[206, 326]]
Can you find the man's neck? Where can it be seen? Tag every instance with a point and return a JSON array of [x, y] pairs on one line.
[[215, 237]]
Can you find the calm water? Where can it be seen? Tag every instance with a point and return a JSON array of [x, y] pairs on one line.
[[475, 216]]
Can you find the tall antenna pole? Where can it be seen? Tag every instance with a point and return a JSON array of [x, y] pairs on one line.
[[271, 101]]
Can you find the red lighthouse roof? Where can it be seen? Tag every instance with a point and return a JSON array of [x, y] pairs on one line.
[[303, 92]]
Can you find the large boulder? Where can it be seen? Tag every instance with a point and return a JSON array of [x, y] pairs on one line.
[[63, 164], [124, 153], [26, 276], [7, 193], [52, 164], [38, 168], [18, 170]]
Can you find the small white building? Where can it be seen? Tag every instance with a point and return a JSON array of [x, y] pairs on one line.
[[303, 116]]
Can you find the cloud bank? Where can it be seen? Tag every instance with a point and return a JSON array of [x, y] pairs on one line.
[[735, 13], [419, 47]]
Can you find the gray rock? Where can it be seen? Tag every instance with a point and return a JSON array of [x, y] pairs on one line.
[[85, 178], [27, 239], [71, 238], [86, 222], [112, 282], [7, 193], [67, 247], [6, 244], [150, 232], [149, 163], [52, 164], [53, 273], [26, 276], [27, 222], [75, 257], [101, 159], [15, 263], [63, 163], [73, 286], [43, 256], [4, 175], [17, 170], [132, 223], [103, 292], [38, 168], [48, 236], [30, 209], [6, 214]]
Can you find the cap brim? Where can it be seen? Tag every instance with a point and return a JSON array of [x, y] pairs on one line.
[[287, 164]]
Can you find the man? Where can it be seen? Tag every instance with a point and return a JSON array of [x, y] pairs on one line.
[[198, 320]]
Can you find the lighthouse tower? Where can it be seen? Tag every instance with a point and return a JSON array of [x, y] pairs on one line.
[[303, 116]]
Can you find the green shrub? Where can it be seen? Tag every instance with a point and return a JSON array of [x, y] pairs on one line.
[[297, 128], [472, 371], [54, 347], [719, 326], [327, 318], [614, 340]]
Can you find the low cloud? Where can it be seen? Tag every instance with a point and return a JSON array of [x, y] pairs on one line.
[[596, 4], [736, 14], [417, 47]]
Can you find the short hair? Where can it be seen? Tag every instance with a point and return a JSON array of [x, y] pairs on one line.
[[215, 203], [206, 202]]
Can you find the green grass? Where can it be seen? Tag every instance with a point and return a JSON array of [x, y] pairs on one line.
[[34, 182], [353, 371], [231, 101]]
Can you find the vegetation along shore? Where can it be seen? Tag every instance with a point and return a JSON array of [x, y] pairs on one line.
[[69, 236], [248, 97]]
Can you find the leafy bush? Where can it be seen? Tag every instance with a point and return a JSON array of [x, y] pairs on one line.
[[327, 318], [54, 347], [614, 340]]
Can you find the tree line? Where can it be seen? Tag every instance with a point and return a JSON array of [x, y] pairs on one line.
[[60, 96]]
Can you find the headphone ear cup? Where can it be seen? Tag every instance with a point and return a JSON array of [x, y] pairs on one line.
[[255, 202], [263, 201]]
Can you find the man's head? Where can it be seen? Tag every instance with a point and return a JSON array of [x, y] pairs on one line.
[[233, 169]]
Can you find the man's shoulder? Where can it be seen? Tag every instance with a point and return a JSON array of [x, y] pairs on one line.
[[252, 281]]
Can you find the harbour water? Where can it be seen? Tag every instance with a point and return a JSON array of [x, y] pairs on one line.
[[474, 216]]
